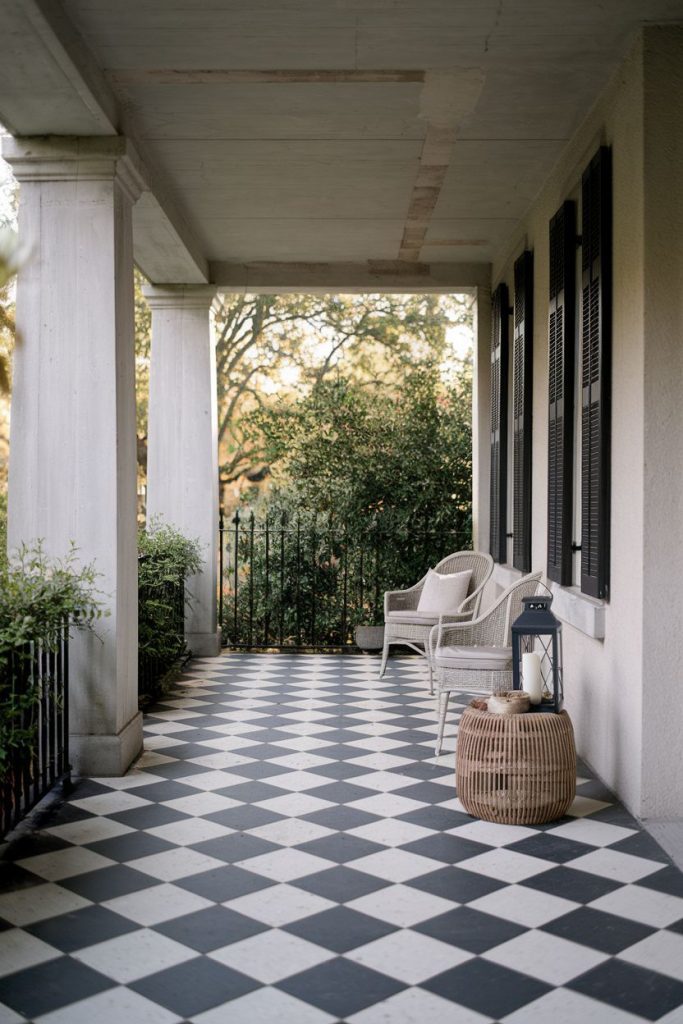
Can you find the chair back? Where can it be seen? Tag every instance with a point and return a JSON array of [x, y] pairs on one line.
[[481, 565], [528, 586]]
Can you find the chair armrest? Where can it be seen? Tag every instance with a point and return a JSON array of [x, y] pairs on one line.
[[403, 600]]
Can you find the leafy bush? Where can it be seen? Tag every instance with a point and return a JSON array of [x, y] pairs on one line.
[[166, 559], [39, 598], [371, 487]]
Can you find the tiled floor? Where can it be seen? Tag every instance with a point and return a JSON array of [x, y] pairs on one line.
[[289, 850]]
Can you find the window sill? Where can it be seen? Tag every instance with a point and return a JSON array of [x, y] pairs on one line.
[[569, 604], [582, 612]]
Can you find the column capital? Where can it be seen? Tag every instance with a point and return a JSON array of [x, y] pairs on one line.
[[180, 296], [76, 158]]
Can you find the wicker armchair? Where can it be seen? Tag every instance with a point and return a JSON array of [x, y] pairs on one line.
[[476, 656], [412, 630]]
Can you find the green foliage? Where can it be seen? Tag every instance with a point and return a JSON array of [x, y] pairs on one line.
[[269, 344], [167, 559], [371, 486], [39, 597]]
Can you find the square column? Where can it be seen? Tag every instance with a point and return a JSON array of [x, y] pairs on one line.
[[182, 445], [73, 448]]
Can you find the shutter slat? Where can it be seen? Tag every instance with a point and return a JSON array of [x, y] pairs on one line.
[[522, 402], [596, 374], [499, 417], [561, 352]]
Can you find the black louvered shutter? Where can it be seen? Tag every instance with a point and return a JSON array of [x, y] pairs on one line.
[[561, 354], [522, 398], [499, 422], [596, 374]]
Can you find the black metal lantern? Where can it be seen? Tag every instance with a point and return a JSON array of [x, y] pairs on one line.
[[537, 654]]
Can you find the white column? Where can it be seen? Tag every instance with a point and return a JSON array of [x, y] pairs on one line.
[[73, 449], [481, 421], [182, 445]]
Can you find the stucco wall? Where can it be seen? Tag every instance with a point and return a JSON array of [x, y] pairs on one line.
[[616, 729]]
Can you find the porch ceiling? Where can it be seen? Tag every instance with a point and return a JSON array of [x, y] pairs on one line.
[[402, 131]]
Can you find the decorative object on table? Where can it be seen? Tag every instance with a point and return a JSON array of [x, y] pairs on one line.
[[408, 619], [477, 656], [537, 654], [515, 769], [510, 702], [369, 638]]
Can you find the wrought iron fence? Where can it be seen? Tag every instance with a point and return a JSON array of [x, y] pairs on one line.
[[34, 691], [310, 582]]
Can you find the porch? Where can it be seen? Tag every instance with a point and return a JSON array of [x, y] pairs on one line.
[[289, 843]]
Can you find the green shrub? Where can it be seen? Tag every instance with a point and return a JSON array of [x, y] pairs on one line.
[[166, 559], [39, 597]]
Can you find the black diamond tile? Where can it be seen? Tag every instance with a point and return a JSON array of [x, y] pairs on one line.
[[82, 788], [339, 770], [341, 987], [342, 792], [469, 929], [223, 884], [178, 770], [158, 792], [579, 886], [630, 988], [194, 986], [49, 986], [130, 846], [210, 928], [451, 849], [549, 847], [340, 751], [341, 847], [251, 792], [340, 929], [256, 770], [244, 817], [108, 883], [13, 876], [234, 847], [340, 884], [440, 819], [429, 793], [33, 844], [676, 927], [341, 817], [668, 880], [81, 928], [606, 932], [456, 884], [642, 844], [149, 816], [487, 988]]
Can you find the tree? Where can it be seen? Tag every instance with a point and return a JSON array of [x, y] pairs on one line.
[[371, 484], [288, 343]]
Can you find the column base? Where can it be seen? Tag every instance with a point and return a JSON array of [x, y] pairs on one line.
[[101, 755], [204, 645]]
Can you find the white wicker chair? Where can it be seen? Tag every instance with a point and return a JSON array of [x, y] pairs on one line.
[[400, 627], [476, 655]]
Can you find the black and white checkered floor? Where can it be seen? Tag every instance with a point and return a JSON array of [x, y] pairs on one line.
[[289, 850]]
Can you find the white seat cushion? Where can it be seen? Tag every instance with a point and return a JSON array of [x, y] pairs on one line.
[[414, 618], [444, 593], [491, 659]]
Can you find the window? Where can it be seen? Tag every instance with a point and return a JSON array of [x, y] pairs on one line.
[[596, 292], [561, 346], [522, 406], [499, 422]]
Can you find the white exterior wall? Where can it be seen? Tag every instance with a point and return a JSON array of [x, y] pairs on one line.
[[623, 691]]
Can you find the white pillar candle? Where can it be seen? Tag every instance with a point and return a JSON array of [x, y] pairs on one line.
[[531, 677]]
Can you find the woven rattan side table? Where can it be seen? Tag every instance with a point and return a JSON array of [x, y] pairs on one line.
[[516, 769]]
